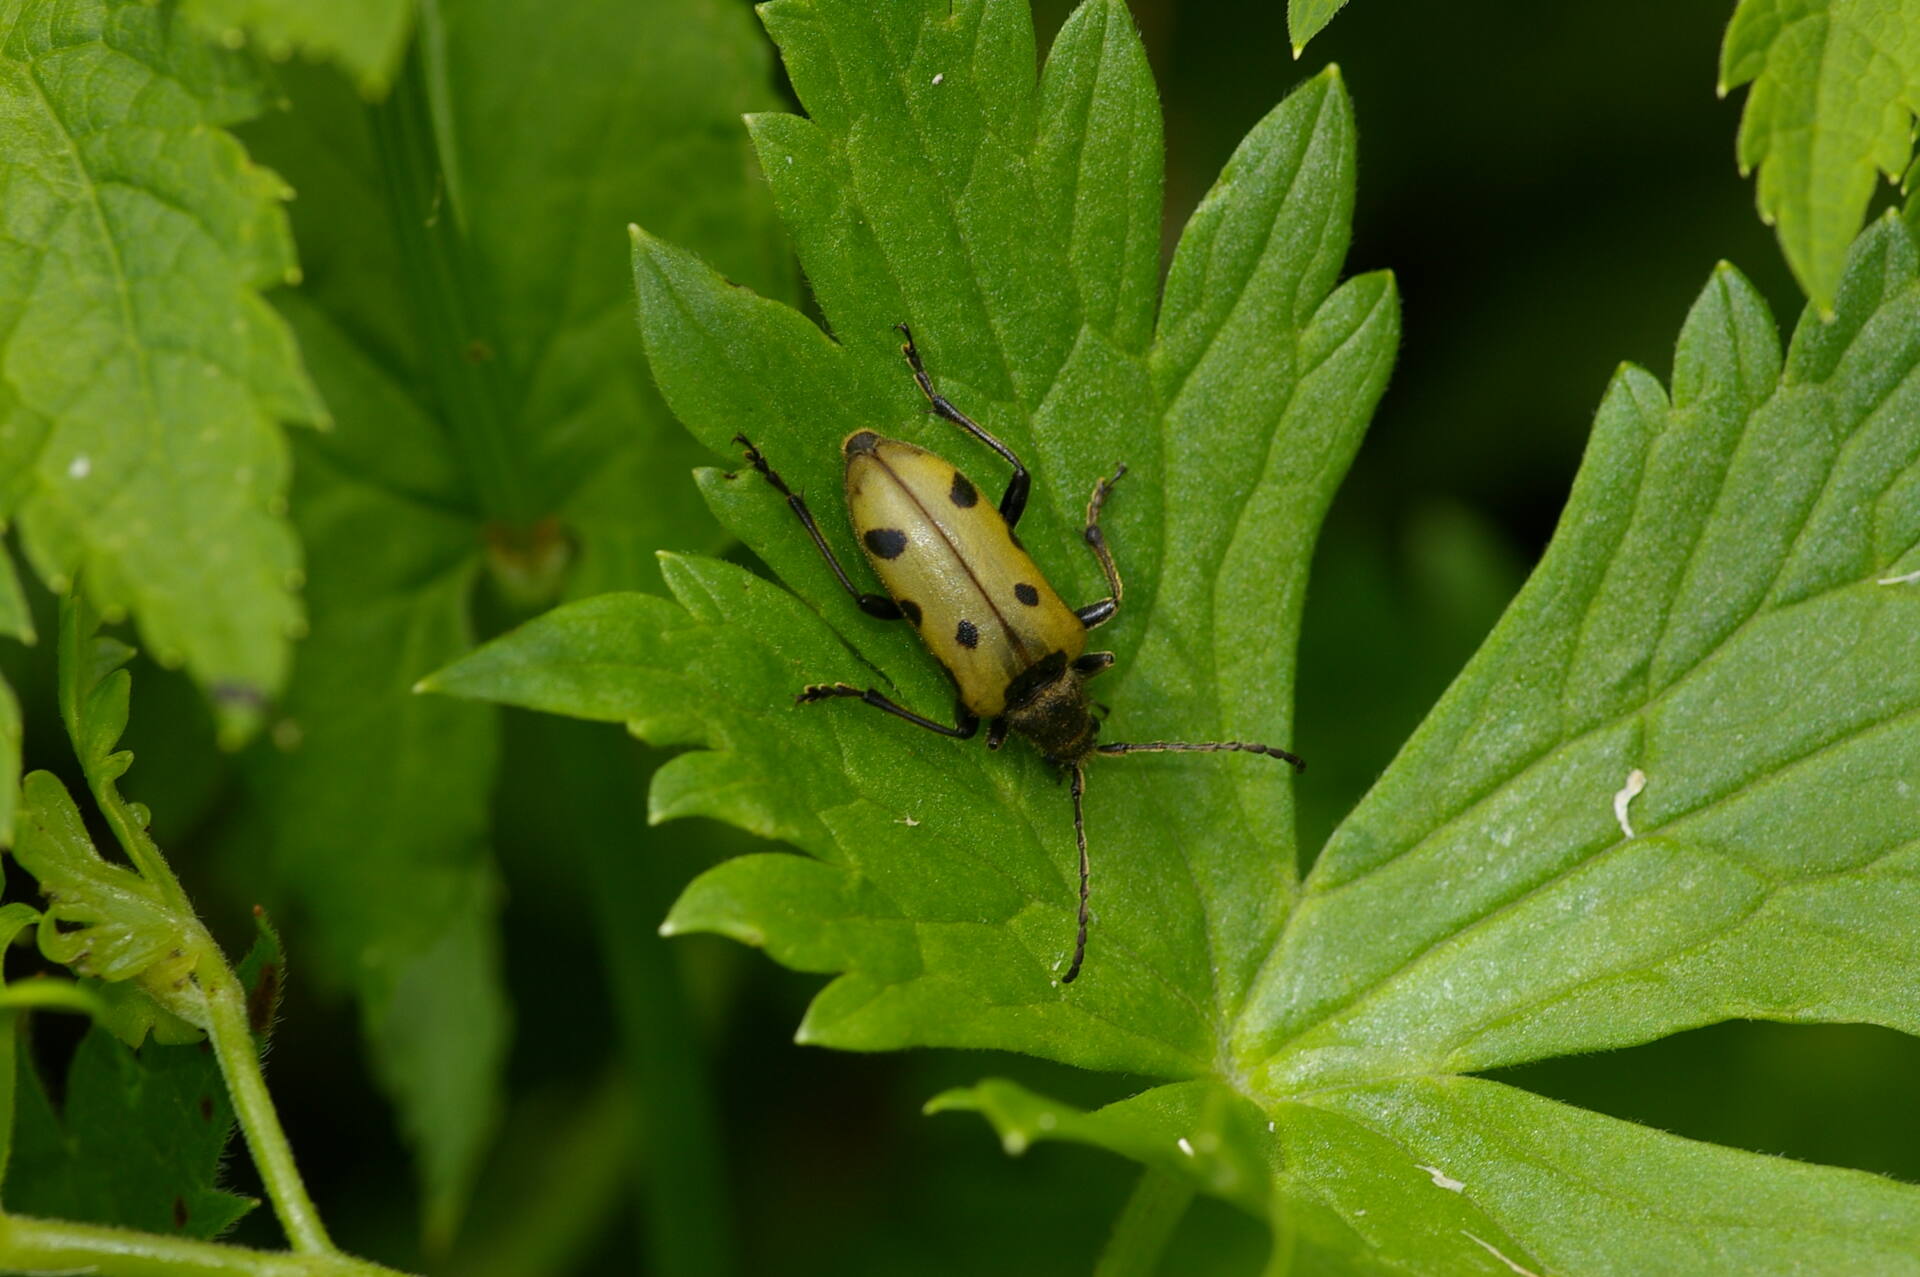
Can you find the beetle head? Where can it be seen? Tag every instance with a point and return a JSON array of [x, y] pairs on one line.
[[1048, 705]]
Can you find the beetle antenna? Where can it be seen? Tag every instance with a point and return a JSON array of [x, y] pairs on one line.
[[1201, 747], [1080, 837]]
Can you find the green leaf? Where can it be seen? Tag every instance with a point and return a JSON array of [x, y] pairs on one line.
[[1456, 1174], [1308, 18], [947, 884], [137, 1141], [365, 37], [1726, 614], [1836, 85], [1712, 616], [101, 919], [145, 375], [437, 1023], [86, 997], [1195, 1130], [132, 930], [464, 302], [14, 918], [1674, 787]]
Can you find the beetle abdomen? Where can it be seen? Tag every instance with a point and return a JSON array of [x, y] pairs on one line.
[[949, 560]]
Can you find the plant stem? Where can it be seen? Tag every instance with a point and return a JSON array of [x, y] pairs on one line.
[[454, 322], [239, 1058], [28, 1244], [1146, 1225]]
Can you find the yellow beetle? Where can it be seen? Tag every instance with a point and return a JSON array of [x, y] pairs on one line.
[[956, 572]]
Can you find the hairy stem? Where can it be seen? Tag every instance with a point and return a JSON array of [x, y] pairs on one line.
[[233, 1045]]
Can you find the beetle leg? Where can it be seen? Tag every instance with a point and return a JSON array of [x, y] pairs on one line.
[[968, 725], [1101, 612], [997, 733], [1013, 502], [876, 605], [1093, 663]]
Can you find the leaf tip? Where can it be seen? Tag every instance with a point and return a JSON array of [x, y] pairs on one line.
[[957, 1099]]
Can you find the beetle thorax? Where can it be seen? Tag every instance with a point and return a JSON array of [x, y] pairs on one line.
[[1055, 718]]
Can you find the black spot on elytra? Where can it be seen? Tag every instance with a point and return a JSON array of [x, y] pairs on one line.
[[963, 493], [886, 543], [1027, 594], [909, 609], [967, 635]]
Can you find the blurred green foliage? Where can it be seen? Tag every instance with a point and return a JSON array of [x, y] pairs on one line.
[[472, 895]]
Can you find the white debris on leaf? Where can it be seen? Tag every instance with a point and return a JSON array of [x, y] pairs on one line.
[[1908, 578], [1184, 1146], [1636, 781], [1493, 1250], [80, 467], [938, 78], [1441, 1179]]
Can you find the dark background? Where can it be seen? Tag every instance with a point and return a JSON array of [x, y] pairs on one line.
[[1551, 185]]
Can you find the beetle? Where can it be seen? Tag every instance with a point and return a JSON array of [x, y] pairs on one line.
[[955, 570]]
